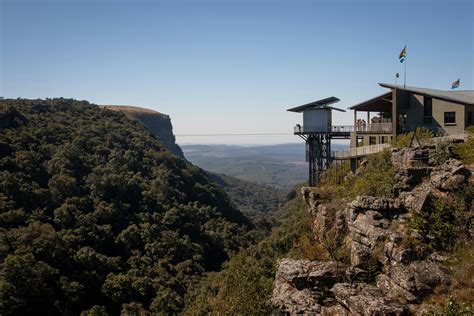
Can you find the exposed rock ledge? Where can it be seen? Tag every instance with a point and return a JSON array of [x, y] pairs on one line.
[[372, 230]]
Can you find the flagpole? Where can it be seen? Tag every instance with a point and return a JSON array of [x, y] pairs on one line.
[[405, 74]]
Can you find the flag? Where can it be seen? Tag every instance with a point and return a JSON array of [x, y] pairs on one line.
[[456, 84], [403, 54]]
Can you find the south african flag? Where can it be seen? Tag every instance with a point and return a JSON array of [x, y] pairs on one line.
[[403, 54], [456, 84]]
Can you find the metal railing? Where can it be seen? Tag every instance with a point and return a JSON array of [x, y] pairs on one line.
[[371, 128], [463, 136], [358, 151], [373, 149], [374, 128], [342, 128], [299, 129]]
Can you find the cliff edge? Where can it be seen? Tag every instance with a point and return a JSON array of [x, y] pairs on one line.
[[158, 123], [385, 255]]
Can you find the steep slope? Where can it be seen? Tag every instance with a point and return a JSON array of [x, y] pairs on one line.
[[244, 286], [96, 214], [255, 201], [398, 238], [158, 123]]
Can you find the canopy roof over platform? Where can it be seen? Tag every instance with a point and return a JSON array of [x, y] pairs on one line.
[[320, 104], [380, 103]]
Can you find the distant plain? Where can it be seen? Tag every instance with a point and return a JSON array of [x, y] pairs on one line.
[[281, 165]]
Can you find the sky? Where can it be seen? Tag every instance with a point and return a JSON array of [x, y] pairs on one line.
[[231, 67]]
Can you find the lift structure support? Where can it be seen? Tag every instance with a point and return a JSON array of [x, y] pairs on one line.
[[318, 154]]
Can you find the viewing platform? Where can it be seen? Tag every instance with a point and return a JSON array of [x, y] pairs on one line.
[[343, 131], [337, 131]]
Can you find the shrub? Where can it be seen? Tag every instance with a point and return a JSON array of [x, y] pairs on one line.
[[451, 307], [465, 151], [335, 174], [445, 221], [404, 140], [376, 177]]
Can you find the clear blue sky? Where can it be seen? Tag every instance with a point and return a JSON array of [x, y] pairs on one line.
[[230, 66]]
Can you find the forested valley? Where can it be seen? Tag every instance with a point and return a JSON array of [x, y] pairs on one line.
[[98, 217]]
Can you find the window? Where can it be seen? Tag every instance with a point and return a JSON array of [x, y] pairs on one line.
[[449, 117], [470, 118], [384, 140], [372, 140], [427, 110]]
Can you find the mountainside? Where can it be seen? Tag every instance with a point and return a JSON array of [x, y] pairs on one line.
[[254, 200], [159, 124], [96, 214]]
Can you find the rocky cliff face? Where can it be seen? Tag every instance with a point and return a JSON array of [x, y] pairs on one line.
[[158, 123], [388, 268]]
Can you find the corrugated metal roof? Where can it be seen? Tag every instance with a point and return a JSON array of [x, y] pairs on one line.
[[320, 104], [372, 100], [459, 96]]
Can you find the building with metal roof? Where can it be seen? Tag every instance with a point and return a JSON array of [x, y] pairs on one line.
[[402, 109]]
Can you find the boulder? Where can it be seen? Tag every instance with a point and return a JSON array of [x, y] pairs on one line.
[[404, 157], [361, 256], [419, 277], [393, 290], [363, 203], [364, 299], [450, 175], [335, 310], [415, 199], [287, 299], [403, 276], [301, 286], [428, 275], [366, 230], [396, 253]]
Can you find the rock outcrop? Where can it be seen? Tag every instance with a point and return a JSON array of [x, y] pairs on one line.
[[384, 274], [159, 124]]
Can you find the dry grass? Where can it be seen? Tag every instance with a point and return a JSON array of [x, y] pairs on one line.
[[462, 288]]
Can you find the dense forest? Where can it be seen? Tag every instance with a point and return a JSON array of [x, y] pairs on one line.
[[158, 123], [256, 201], [97, 215], [245, 284]]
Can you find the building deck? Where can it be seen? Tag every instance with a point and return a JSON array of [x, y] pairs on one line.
[[344, 131]]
